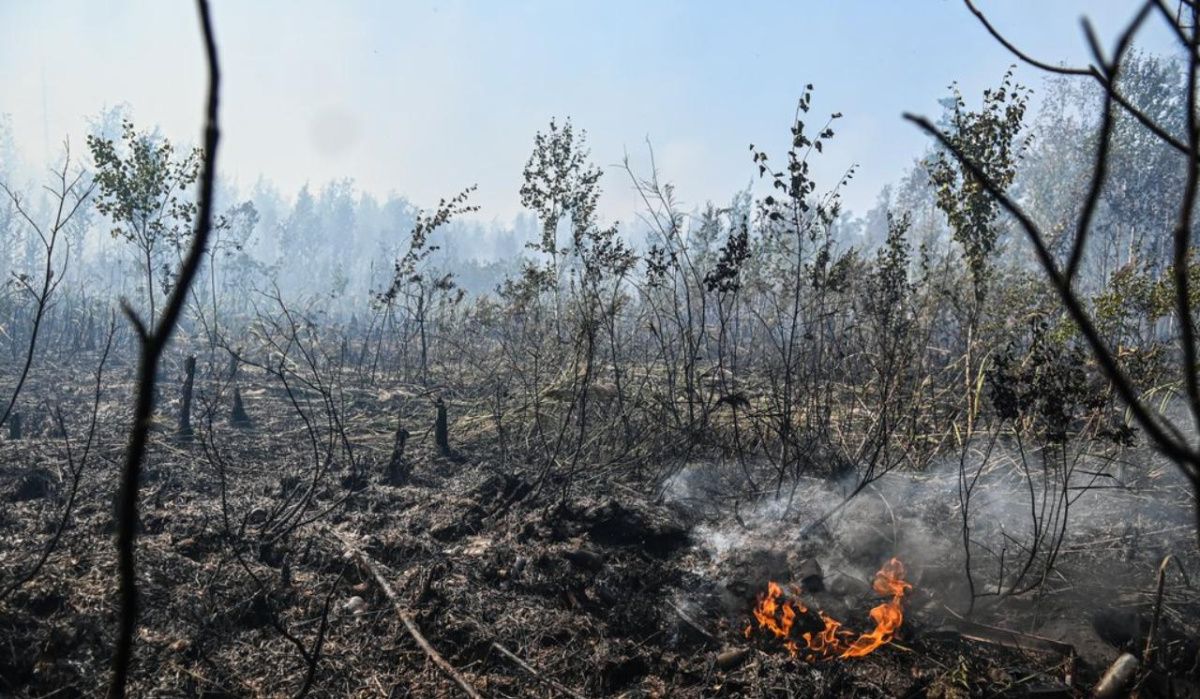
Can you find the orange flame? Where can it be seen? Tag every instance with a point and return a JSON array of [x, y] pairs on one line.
[[778, 616]]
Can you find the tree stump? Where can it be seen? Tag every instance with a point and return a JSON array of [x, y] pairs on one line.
[[14, 426], [185, 408], [399, 469], [441, 430], [238, 416], [89, 334]]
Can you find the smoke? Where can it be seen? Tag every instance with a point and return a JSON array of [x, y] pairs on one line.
[[1121, 518]]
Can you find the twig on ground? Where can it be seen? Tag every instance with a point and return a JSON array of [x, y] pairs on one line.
[[534, 673], [410, 623]]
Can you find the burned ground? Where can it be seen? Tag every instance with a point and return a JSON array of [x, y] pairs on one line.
[[605, 588]]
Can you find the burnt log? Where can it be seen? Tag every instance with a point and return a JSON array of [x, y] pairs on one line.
[[1117, 677]]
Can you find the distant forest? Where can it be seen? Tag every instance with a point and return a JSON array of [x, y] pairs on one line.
[[332, 244]]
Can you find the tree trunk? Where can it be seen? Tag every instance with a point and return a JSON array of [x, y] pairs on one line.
[[399, 469], [89, 340], [238, 416], [441, 431], [150, 286], [424, 343], [185, 408]]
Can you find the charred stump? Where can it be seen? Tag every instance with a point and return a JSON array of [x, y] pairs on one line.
[[238, 416], [441, 430], [89, 334], [399, 469], [185, 407]]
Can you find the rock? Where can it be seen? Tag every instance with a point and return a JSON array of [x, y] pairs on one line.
[[732, 657], [355, 605]]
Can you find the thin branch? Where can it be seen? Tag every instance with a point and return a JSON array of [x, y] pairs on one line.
[[76, 469], [406, 617], [152, 346], [1166, 437], [1094, 72], [1061, 70], [534, 673], [1183, 302]]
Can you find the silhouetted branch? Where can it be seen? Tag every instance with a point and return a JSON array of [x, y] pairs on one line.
[[1165, 436], [1183, 231], [1108, 85], [152, 346]]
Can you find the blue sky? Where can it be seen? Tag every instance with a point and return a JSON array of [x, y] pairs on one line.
[[424, 98]]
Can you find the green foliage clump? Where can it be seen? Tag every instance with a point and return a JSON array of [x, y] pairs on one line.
[[988, 138], [142, 188]]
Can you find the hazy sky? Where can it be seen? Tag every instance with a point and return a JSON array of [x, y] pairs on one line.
[[423, 98]]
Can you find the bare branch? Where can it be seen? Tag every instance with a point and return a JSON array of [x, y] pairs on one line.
[[1165, 436], [1096, 73], [153, 345]]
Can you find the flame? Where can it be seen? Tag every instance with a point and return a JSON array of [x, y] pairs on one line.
[[778, 615]]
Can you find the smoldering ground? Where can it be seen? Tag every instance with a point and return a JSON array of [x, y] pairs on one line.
[[1101, 539]]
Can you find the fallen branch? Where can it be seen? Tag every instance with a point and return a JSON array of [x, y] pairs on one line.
[[534, 673], [1011, 639], [410, 623]]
